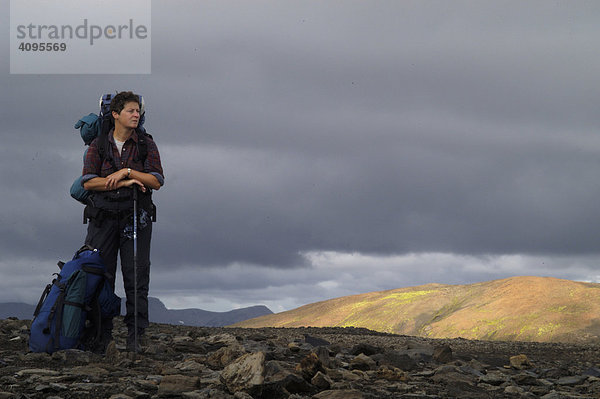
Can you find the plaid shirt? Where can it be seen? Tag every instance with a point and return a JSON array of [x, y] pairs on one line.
[[93, 166]]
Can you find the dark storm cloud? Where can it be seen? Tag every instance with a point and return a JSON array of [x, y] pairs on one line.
[[380, 128]]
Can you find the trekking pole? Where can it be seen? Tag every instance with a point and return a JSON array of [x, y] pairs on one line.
[[135, 288]]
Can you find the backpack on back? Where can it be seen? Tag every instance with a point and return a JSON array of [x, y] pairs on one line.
[[70, 311], [92, 126]]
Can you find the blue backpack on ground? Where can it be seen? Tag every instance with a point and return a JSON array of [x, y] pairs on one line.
[[92, 126], [70, 311]]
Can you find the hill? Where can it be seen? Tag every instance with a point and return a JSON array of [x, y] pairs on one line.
[[158, 313], [23, 311], [540, 309]]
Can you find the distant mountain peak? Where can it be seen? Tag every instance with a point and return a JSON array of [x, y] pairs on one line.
[[158, 313]]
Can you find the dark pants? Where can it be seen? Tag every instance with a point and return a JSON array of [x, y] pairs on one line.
[[106, 236]]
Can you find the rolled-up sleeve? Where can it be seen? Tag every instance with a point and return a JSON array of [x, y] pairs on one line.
[[91, 163], [153, 164]]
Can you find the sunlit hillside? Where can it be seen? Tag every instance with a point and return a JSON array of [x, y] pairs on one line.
[[539, 309]]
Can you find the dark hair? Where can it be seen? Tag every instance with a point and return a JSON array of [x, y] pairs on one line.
[[120, 99]]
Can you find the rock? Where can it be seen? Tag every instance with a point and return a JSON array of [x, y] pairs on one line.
[[396, 359], [391, 374], [290, 383], [520, 362], [170, 384], [572, 380], [92, 373], [347, 375], [202, 394], [224, 339], [494, 378], [159, 349], [366, 349], [72, 356], [245, 373], [112, 354], [315, 341], [138, 394], [309, 366], [526, 378], [182, 340], [294, 347], [513, 390], [321, 381], [553, 395], [58, 387], [274, 369], [362, 362], [189, 366], [232, 363], [420, 355], [282, 378], [449, 374], [442, 354], [42, 372], [592, 371], [225, 355], [340, 394], [324, 356]]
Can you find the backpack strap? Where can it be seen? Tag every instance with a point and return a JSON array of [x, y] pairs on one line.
[[36, 312], [104, 147], [142, 145], [93, 334], [56, 314], [85, 247], [93, 270]]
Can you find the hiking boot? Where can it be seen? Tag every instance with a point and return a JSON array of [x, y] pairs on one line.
[[131, 347], [98, 345], [141, 341]]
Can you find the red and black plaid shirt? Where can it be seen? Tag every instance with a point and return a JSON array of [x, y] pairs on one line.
[[93, 166]]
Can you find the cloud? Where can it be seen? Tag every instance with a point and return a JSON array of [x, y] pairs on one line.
[[335, 274], [423, 139]]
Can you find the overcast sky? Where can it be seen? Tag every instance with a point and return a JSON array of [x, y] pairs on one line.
[[315, 149]]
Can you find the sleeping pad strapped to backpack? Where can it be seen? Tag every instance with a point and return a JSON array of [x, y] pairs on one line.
[[71, 309]]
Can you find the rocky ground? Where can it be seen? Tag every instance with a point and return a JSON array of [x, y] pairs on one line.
[[317, 363]]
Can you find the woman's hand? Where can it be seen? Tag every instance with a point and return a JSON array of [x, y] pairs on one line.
[[130, 182], [113, 179]]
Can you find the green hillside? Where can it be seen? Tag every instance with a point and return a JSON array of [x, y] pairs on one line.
[[540, 309]]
